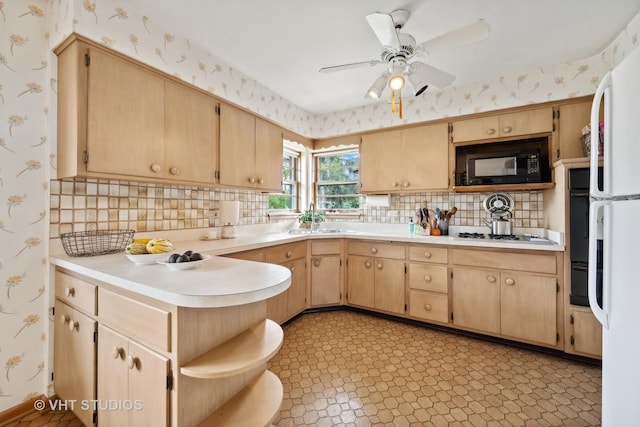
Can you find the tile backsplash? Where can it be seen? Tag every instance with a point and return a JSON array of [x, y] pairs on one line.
[[82, 204]]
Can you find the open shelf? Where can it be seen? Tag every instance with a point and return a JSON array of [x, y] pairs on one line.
[[255, 405], [240, 354]]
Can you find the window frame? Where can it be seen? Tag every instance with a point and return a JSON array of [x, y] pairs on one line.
[[317, 182], [296, 169]]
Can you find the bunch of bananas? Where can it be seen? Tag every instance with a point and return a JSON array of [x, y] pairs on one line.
[[148, 246]]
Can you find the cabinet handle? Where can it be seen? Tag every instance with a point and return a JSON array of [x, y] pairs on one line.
[[132, 362], [427, 307], [156, 168], [510, 282], [374, 250], [64, 319], [117, 352], [380, 266], [427, 278], [73, 325], [293, 269], [406, 184], [395, 185], [427, 254], [289, 254], [70, 292], [491, 131], [316, 263], [491, 278], [174, 171], [507, 129], [260, 181], [252, 180], [367, 264]]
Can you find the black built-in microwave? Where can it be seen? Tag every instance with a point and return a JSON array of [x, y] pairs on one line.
[[503, 168]]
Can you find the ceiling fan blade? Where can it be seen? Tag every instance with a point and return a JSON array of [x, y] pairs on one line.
[[349, 66], [462, 36], [384, 28], [432, 75]]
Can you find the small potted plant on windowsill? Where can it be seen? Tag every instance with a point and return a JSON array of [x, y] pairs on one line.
[[307, 217]]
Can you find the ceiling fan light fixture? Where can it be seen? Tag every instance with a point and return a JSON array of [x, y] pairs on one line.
[[397, 68], [396, 82], [418, 83], [375, 91]]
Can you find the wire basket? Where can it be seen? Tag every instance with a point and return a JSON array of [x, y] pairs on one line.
[[101, 242]]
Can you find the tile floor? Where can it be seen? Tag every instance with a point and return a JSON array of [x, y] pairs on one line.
[[344, 368]]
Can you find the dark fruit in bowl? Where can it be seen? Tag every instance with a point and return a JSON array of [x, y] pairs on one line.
[[196, 256], [183, 258], [173, 258], [188, 253]]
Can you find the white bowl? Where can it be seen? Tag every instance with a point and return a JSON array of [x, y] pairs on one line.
[[184, 265], [147, 259]]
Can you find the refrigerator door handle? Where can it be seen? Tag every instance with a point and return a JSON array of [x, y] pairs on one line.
[[600, 313], [603, 91]]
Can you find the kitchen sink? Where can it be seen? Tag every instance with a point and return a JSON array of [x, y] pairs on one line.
[[319, 231]]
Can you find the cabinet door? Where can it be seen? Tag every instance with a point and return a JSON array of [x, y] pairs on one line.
[[268, 168], [426, 151], [191, 135], [389, 285], [148, 385], [538, 120], [325, 280], [360, 277], [586, 336], [476, 299], [297, 292], [237, 146], [125, 132], [113, 375], [475, 129], [74, 359], [573, 117], [379, 158], [528, 307]]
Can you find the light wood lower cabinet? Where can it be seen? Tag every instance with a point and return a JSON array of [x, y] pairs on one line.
[[518, 298], [129, 372], [429, 283], [584, 335], [376, 281], [74, 359], [326, 272]]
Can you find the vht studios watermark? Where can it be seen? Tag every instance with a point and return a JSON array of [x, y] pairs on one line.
[[87, 405]]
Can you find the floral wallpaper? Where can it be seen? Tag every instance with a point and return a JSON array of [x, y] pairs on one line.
[[25, 83], [29, 30]]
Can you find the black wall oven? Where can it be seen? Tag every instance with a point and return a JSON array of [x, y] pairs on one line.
[[579, 238]]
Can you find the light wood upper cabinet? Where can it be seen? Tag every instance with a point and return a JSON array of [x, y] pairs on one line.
[[519, 123], [191, 134], [407, 160], [119, 119], [250, 151], [571, 119]]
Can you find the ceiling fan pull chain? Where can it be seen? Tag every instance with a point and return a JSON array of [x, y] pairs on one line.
[[393, 101], [400, 108]]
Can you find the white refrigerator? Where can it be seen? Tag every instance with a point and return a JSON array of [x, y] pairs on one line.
[[615, 218]]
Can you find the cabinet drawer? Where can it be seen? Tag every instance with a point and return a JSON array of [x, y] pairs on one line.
[[429, 306], [377, 249], [135, 318], [325, 247], [76, 292], [428, 254], [505, 261], [428, 277], [257, 255], [285, 253]]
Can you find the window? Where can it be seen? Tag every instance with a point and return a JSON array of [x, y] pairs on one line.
[[288, 200], [337, 180]]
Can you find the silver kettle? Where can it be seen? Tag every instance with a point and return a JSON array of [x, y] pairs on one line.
[[500, 226]]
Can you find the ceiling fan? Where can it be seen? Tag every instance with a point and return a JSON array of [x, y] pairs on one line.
[[399, 48]]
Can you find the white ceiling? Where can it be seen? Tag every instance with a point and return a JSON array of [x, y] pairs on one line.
[[282, 43]]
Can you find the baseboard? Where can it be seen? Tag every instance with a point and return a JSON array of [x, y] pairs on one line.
[[20, 410]]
